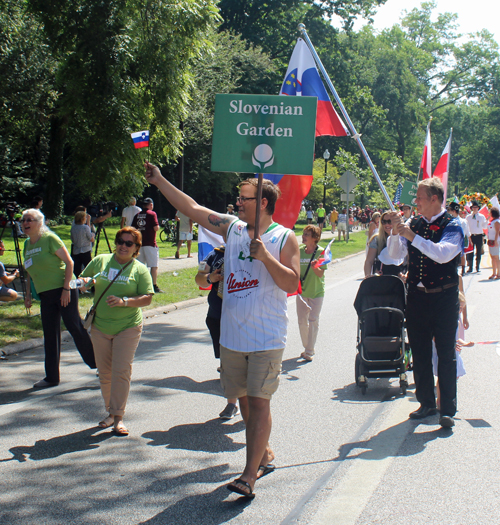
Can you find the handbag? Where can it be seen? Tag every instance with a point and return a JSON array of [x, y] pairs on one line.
[[89, 318]]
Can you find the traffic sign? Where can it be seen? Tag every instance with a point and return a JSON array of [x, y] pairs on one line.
[[348, 182]]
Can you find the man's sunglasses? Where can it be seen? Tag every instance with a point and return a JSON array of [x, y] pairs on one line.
[[128, 244]]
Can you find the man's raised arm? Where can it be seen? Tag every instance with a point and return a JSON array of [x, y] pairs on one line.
[[209, 219]]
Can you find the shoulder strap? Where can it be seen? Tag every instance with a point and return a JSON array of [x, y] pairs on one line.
[[309, 265], [116, 277]]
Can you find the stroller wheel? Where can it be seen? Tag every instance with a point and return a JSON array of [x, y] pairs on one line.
[[364, 386], [357, 369], [404, 385]]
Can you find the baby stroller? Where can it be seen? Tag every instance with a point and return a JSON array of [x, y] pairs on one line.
[[382, 349]]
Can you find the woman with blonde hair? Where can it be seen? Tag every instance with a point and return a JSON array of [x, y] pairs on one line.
[[377, 258], [50, 266]]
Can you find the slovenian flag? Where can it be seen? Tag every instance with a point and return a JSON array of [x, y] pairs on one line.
[[325, 256], [141, 139], [302, 79], [207, 242]]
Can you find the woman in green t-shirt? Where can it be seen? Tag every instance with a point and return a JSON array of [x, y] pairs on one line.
[[117, 325], [50, 266], [310, 300]]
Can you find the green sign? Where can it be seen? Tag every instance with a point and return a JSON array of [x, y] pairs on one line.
[[409, 193], [264, 134]]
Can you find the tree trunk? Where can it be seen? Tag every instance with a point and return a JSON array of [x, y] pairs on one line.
[[53, 198]]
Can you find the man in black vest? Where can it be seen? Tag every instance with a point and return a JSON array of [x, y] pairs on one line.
[[433, 241]]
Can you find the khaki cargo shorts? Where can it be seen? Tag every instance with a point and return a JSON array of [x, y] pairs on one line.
[[254, 374]]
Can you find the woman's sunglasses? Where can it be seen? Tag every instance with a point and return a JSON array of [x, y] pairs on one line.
[[386, 221], [128, 244]]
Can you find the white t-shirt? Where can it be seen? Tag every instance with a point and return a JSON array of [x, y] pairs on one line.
[[184, 223], [254, 309], [129, 213]]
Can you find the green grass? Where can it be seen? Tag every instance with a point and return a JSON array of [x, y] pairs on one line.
[[16, 325]]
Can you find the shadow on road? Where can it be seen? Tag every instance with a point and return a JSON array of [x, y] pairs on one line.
[[208, 508], [211, 386], [379, 390], [58, 446], [209, 437]]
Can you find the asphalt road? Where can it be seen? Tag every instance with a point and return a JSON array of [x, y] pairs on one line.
[[342, 458]]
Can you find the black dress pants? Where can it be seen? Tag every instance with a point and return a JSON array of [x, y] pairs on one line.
[[80, 261], [477, 241], [213, 325], [428, 316], [51, 313]]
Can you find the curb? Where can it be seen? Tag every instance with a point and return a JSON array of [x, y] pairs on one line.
[[17, 348]]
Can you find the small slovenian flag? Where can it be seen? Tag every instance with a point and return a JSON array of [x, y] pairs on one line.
[[325, 256], [141, 139]]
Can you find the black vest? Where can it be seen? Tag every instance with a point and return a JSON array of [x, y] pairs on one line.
[[423, 270]]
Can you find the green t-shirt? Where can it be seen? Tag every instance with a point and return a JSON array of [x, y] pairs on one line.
[[133, 281], [313, 286], [44, 266], [321, 212]]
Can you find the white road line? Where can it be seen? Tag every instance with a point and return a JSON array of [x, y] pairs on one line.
[[353, 492]]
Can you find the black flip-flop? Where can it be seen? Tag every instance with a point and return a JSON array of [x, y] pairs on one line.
[[234, 488], [266, 469]]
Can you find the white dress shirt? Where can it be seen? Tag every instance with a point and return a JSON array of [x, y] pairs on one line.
[[477, 222], [445, 250]]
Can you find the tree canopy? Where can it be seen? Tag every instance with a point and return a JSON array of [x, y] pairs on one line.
[[79, 77]]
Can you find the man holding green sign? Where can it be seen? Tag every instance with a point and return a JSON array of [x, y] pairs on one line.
[[262, 264]]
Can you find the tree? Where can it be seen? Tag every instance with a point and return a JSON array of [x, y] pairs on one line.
[[26, 69], [122, 66], [231, 66]]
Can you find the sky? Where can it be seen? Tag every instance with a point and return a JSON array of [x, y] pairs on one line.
[[473, 15]]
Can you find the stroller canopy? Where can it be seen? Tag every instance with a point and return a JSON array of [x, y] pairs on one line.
[[380, 291]]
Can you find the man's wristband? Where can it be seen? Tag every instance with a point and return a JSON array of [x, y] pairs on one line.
[[208, 279], [67, 289]]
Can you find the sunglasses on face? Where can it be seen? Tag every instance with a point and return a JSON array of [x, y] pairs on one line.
[[386, 221], [128, 244]]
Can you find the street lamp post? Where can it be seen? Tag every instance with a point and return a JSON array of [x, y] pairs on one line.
[[326, 156]]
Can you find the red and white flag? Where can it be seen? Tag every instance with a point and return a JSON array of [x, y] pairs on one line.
[[443, 166], [426, 164]]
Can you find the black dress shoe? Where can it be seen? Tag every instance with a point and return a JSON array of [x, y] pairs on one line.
[[446, 421], [422, 412], [44, 384]]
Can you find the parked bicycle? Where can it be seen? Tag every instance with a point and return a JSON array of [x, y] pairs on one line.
[[169, 231]]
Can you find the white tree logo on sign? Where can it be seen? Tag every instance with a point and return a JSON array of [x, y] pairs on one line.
[[263, 156]]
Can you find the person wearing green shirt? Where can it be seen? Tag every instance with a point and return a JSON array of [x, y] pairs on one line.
[[117, 325], [320, 215], [310, 299], [50, 266]]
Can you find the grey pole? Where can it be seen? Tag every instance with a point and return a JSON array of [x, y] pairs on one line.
[[355, 134]]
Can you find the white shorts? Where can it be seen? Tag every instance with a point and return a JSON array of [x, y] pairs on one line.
[[341, 226], [150, 256], [185, 236]]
